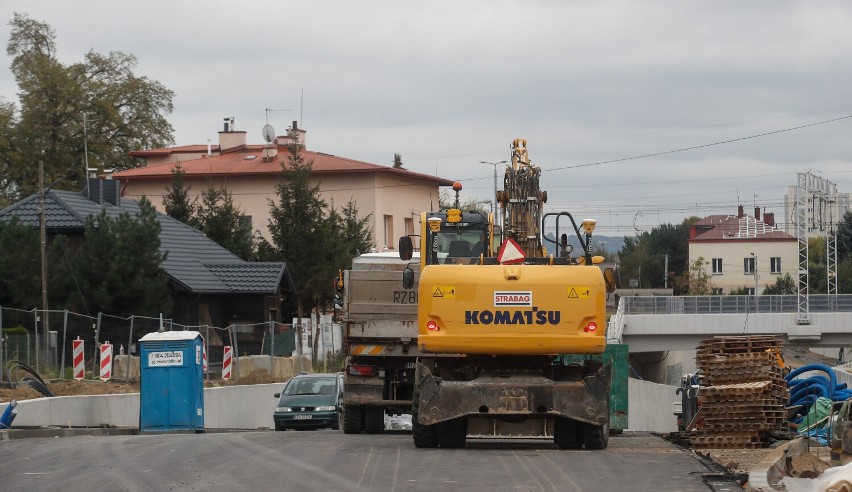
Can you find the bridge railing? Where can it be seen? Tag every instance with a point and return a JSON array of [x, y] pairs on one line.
[[732, 304]]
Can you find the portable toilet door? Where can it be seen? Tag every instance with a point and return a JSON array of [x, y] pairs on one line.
[[171, 395]]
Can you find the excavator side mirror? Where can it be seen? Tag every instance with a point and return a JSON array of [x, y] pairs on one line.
[[407, 277], [406, 250], [609, 280]]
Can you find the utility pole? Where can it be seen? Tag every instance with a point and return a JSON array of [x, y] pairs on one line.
[[666, 272], [43, 241], [495, 210]]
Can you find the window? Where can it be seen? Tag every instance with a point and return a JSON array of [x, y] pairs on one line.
[[748, 265], [717, 266], [716, 291], [775, 264], [750, 290], [389, 242]]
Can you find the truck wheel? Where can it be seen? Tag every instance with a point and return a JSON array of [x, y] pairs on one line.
[[566, 433], [595, 436], [425, 436], [374, 420], [452, 433], [353, 419]]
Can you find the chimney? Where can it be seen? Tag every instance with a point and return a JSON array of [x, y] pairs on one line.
[[692, 232], [769, 219], [104, 190], [230, 138], [740, 212], [294, 135], [756, 213]]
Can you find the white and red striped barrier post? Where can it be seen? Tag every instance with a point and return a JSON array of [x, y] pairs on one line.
[[77, 355], [106, 361], [226, 363], [204, 357]]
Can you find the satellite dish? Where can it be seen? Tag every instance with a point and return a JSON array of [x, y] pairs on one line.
[[268, 133]]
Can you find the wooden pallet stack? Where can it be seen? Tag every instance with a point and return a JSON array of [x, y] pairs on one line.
[[743, 392]]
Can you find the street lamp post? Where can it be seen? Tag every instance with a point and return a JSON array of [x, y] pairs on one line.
[[756, 277], [494, 208]]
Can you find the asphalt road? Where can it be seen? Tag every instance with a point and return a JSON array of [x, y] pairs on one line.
[[330, 460]]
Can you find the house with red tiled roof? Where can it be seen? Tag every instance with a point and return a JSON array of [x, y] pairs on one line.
[[394, 196], [743, 251]]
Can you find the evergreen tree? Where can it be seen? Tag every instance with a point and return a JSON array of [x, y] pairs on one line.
[[222, 221], [176, 200], [397, 161], [20, 266], [117, 266], [357, 235], [301, 233]]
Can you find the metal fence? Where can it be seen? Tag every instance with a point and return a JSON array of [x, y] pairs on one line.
[[817, 303], [44, 339]]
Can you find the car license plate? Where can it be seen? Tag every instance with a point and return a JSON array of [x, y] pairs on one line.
[[303, 417]]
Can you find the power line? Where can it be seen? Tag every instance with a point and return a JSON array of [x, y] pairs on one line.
[[695, 147]]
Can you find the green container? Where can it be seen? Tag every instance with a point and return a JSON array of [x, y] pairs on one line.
[[615, 355]]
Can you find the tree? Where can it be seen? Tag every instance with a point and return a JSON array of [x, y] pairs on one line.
[[783, 285], [176, 200], [844, 237], [817, 281], [397, 161], [8, 156], [695, 281], [643, 256], [300, 232], [20, 266], [356, 234], [222, 221], [93, 112], [117, 266]]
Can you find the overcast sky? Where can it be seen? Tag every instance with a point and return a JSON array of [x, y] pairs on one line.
[[450, 84]]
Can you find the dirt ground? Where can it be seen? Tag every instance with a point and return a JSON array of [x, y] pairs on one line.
[[65, 387]]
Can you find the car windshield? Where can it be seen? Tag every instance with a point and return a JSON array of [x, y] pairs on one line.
[[311, 386]]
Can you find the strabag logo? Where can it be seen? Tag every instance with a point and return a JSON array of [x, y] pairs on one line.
[[512, 298]]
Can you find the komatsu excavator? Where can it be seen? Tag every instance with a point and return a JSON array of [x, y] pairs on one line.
[[494, 314]]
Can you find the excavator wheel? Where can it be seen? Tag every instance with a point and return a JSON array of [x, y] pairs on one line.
[[566, 433], [595, 436], [425, 436], [452, 433], [374, 420], [353, 419]]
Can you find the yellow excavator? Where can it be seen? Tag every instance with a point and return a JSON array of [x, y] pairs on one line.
[[495, 314]]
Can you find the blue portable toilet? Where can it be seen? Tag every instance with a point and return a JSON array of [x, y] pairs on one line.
[[171, 395]]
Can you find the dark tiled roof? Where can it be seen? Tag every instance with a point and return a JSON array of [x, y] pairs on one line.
[[251, 277], [193, 262]]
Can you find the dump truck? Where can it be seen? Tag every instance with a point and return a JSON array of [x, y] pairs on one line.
[[492, 325], [380, 327]]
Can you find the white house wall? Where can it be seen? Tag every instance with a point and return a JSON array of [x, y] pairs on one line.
[[733, 252]]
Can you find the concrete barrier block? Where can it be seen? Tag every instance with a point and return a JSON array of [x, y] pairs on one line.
[[283, 367], [119, 368]]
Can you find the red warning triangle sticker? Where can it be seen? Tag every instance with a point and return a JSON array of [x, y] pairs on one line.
[[510, 253]]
